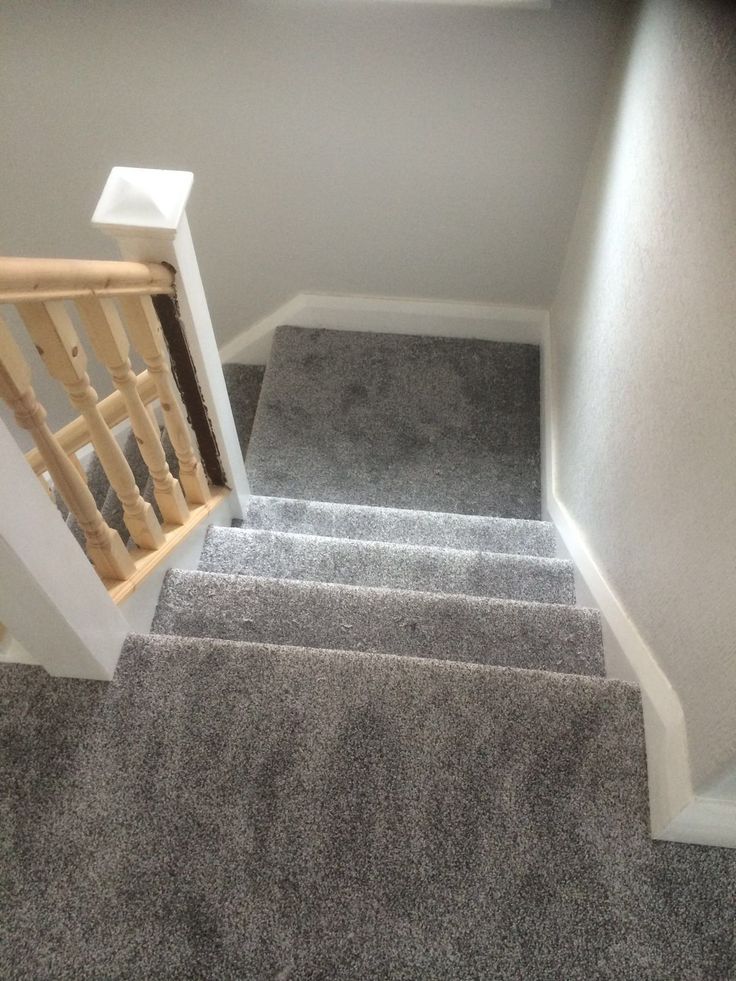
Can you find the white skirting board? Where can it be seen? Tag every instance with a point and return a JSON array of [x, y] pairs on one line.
[[394, 315], [677, 812]]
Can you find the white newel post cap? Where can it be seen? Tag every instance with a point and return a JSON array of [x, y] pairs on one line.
[[139, 201]]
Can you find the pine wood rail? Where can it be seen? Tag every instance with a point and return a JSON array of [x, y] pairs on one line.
[[71, 308], [104, 545], [23, 280], [113, 410]]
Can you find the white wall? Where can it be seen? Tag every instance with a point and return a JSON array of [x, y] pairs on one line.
[[644, 347], [338, 145]]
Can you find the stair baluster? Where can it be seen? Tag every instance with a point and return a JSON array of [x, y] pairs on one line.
[[143, 324], [57, 342], [104, 546], [110, 342]]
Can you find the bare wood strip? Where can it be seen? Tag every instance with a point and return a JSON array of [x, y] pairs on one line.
[[19, 275], [104, 546], [146, 562], [110, 342], [113, 410], [30, 296], [144, 327], [57, 342]]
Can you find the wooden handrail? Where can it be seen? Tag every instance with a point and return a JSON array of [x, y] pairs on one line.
[[22, 280], [113, 410]]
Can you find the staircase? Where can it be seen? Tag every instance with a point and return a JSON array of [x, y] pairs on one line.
[[371, 735]]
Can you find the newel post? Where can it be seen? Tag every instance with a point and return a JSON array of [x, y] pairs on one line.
[[145, 212], [51, 599]]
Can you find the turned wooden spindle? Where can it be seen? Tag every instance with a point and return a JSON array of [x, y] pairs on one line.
[[110, 342], [141, 319], [104, 546], [57, 342]]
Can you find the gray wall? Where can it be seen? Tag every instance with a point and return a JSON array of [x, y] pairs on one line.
[[337, 145], [645, 349]]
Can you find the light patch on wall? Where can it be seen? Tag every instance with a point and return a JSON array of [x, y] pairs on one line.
[[511, 4]]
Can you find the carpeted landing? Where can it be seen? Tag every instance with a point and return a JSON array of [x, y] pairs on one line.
[[242, 811], [428, 423], [360, 741]]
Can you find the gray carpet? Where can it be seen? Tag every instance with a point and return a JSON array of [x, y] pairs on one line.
[[453, 791], [386, 564], [229, 813], [243, 382], [401, 525], [428, 423], [312, 614], [98, 485]]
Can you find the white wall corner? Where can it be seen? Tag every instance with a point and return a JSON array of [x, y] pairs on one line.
[[385, 314]]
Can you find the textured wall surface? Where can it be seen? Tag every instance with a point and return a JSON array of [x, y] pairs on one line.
[[396, 149], [644, 330]]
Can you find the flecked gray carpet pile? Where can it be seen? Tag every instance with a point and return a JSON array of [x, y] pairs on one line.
[[429, 423], [242, 811], [361, 742]]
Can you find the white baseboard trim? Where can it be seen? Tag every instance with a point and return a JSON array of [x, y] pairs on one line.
[[382, 314], [670, 789], [677, 812], [704, 821]]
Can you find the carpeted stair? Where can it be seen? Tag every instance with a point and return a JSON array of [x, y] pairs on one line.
[[427, 423], [393, 564], [371, 736], [401, 525], [392, 621]]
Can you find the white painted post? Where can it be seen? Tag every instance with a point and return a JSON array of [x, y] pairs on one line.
[[51, 599], [144, 211]]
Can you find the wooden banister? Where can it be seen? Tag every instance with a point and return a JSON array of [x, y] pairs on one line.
[[145, 330], [23, 280], [113, 410], [64, 356], [104, 546], [105, 331]]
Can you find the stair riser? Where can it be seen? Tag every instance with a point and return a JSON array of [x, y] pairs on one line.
[[386, 565], [459, 628], [401, 526]]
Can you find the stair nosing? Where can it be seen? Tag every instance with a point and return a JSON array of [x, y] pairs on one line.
[[241, 577], [532, 522], [247, 531], [567, 679]]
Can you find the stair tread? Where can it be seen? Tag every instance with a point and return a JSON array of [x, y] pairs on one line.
[[437, 423], [540, 636], [243, 382], [351, 778], [293, 555], [401, 525]]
